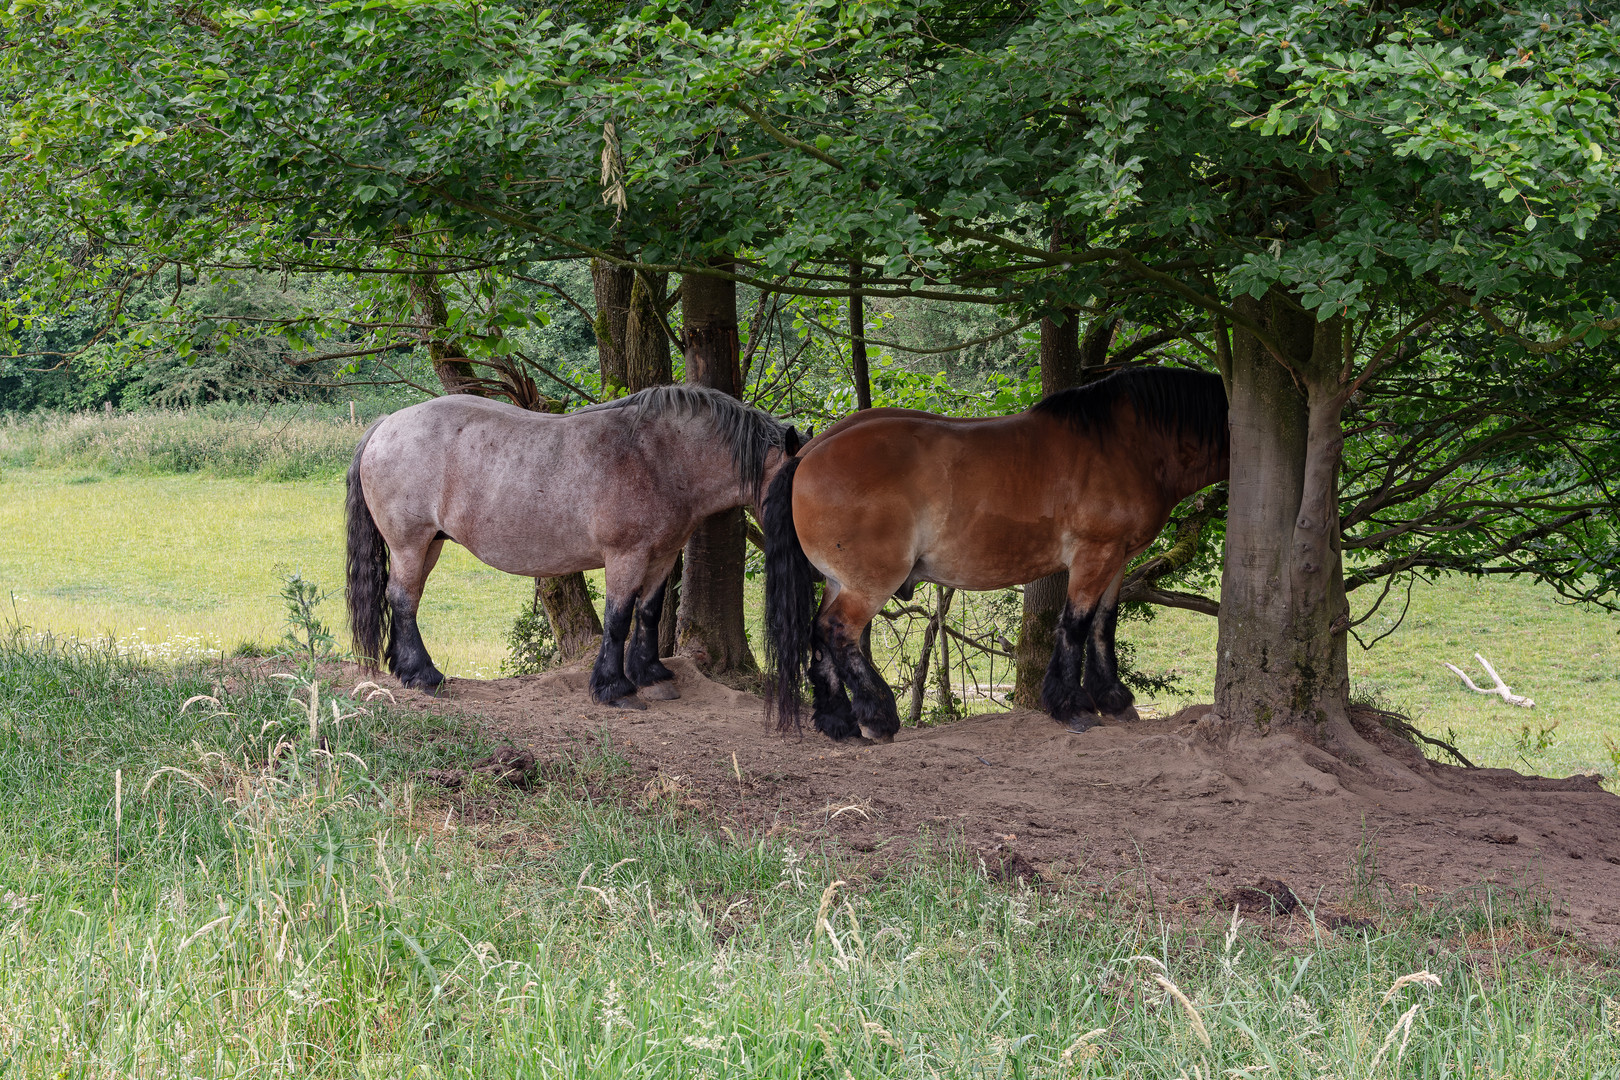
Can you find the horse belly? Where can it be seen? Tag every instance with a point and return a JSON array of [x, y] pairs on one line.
[[533, 561], [995, 557], [528, 540]]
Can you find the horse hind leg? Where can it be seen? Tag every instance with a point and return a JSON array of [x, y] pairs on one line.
[[872, 701], [641, 663], [1081, 667], [407, 656], [833, 714], [1111, 696], [608, 682]]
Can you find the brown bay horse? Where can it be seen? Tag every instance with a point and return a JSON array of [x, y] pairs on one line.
[[619, 485], [884, 499]]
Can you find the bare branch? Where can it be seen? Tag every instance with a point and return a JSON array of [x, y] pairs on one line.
[[1501, 688]]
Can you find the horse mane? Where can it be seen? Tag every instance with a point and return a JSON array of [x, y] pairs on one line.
[[1174, 400], [748, 433]]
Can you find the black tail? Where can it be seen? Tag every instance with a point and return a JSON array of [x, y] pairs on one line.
[[367, 573], [790, 604]]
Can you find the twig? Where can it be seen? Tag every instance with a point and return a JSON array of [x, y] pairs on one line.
[[1402, 725]]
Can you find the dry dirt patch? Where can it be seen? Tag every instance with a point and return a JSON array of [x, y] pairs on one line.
[[1148, 805]]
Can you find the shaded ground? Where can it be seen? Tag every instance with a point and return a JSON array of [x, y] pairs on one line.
[[1147, 805]]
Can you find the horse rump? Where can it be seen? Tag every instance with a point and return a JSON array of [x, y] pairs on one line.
[[367, 572], [790, 604]]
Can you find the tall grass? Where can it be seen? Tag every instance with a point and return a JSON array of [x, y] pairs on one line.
[[267, 892], [284, 442]]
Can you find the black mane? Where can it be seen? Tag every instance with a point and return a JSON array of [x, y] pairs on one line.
[[747, 432], [1174, 400]]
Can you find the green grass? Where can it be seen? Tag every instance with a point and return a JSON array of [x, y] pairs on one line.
[[175, 566], [247, 904]]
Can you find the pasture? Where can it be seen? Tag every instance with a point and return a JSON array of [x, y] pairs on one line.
[[1346, 273]]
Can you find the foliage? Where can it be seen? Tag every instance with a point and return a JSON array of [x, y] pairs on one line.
[[108, 333], [1428, 184], [1534, 742], [1391, 167], [530, 645]]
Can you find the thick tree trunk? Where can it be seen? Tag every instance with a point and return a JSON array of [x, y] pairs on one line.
[[1282, 664], [575, 624], [1062, 366], [612, 286], [672, 605], [647, 363], [709, 623], [647, 360]]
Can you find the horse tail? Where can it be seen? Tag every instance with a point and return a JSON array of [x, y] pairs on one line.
[[790, 604], [367, 572]]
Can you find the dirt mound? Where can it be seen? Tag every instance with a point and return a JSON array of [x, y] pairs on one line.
[[1148, 805]]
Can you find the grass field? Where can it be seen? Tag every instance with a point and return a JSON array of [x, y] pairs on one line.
[[245, 886], [236, 890], [286, 441], [172, 566]]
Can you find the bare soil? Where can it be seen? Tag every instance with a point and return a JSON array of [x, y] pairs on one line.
[[1151, 806]]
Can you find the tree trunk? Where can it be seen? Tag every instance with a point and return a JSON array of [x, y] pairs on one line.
[[942, 613], [450, 363], [857, 341], [612, 286], [1062, 366], [575, 624], [709, 624], [647, 357], [647, 363], [919, 674], [860, 371], [672, 604], [1282, 665]]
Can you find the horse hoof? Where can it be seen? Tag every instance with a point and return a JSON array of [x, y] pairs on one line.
[[1125, 715], [1082, 722], [630, 701], [659, 691], [871, 736]]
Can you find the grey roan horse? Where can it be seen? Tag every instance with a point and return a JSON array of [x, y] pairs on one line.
[[620, 485]]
